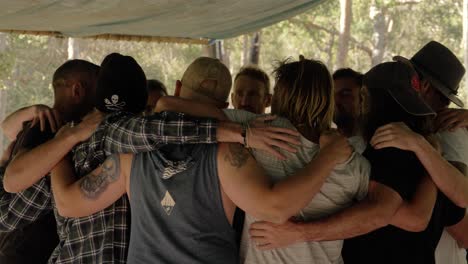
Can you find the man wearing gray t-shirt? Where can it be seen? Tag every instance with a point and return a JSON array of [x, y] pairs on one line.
[[454, 146], [346, 183]]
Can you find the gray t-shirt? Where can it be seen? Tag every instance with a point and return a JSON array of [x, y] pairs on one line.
[[347, 183], [454, 148]]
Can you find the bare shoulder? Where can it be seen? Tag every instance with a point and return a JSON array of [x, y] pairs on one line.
[[233, 155]]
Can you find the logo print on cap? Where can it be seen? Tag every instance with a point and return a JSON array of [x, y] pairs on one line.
[[168, 203], [114, 104]]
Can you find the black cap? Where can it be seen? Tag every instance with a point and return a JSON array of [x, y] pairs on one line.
[[121, 85], [401, 81], [440, 67]]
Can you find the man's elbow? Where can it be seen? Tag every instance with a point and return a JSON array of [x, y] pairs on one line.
[[463, 201], [417, 225], [380, 218], [277, 212], [70, 208], [9, 184], [461, 238], [275, 216], [463, 243], [65, 210]]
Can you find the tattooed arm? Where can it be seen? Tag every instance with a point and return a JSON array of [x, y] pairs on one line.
[[95, 191], [248, 187]]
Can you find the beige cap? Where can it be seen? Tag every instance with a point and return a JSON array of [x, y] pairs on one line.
[[205, 69]]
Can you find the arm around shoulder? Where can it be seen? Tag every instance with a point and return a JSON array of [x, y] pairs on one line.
[[372, 213], [191, 107], [251, 189], [414, 215]]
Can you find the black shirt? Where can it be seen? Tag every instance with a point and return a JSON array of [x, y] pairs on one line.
[[35, 242], [401, 171]]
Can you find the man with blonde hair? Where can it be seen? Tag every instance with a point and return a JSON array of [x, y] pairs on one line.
[[251, 90]]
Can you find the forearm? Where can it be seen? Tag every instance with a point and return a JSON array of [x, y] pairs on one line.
[[62, 179], [414, 215], [13, 123], [177, 104], [141, 134], [226, 131], [374, 212], [294, 193], [30, 166], [358, 220], [446, 177], [229, 132]]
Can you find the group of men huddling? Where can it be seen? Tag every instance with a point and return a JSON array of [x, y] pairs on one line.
[[207, 184]]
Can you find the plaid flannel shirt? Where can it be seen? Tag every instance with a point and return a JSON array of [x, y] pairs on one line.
[[20, 209], [26, 218], [103, 237]]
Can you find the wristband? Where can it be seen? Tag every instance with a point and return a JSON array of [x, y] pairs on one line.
[[244, 134]]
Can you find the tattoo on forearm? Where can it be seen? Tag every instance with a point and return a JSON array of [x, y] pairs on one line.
[[237, 155], [94, 184]]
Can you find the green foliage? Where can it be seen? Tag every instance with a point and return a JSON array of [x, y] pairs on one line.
[[28, 62]]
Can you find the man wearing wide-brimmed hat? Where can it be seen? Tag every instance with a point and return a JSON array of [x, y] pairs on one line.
[[441, 73]]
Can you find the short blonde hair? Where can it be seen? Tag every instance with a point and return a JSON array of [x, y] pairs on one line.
[[255, 73], [303, 94]]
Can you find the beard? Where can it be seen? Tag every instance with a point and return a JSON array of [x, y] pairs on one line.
[[345, 121]]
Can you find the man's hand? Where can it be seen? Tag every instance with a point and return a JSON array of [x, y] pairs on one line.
[[261, 135], [396, 135], [43, 114], [85, 128], [451, 119], [334, 142], [267, 236]]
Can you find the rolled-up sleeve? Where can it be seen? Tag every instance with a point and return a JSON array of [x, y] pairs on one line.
[[20, 209], [132, 134]]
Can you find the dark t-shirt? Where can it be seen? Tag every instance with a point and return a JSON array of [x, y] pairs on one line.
[[35, 242], [401, 171]]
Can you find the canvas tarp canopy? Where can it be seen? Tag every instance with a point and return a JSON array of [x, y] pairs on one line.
[[164, 20]]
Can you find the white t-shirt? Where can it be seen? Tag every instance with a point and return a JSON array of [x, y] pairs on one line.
[[347, 183], [454, 148]]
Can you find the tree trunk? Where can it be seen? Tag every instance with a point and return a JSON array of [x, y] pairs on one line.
[[255, 48], [380, 33], [210, 51], [3, 92], [245, 50], [73, 49], [465, 38], [345, 32], [217, 50], [223, 53], [330, 52]]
